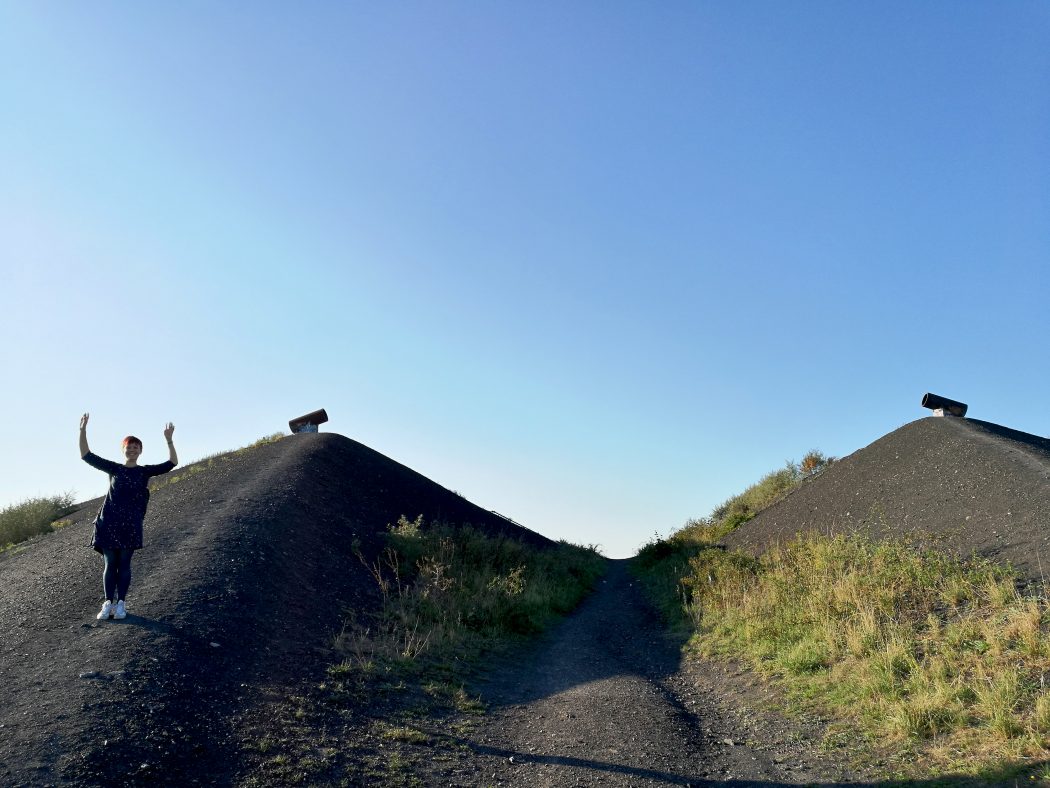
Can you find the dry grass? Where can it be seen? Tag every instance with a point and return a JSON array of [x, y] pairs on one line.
[[662, 564], [911, 645]]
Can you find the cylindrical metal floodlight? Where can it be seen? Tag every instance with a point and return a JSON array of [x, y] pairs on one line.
[[309, 422], [934, 402]]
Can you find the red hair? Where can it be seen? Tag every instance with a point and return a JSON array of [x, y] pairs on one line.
[[131, 439]]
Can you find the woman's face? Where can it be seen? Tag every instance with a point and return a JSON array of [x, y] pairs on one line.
[[132, 450]]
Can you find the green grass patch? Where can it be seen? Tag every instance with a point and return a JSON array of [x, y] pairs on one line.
[[451, 591], [183, 473], [448, 595]]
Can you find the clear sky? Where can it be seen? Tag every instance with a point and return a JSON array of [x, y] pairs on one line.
[[595, 265]]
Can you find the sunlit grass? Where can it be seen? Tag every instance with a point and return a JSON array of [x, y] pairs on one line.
[[911, 645], [448, 591], [663, 563]]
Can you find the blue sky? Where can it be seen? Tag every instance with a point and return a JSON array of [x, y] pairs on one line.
[[597, 266]]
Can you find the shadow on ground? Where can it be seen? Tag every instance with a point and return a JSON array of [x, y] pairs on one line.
[[588, 766]]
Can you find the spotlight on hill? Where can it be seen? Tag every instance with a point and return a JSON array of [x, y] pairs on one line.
[[942, 406], [309, 422]]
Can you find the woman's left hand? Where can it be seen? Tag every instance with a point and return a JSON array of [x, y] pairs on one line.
[[168, 430]]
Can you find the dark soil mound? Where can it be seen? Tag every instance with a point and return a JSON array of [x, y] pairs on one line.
[[957, 484], [247, 574]]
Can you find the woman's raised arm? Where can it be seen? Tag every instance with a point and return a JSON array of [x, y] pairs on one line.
[[169, 430], [84, 450]]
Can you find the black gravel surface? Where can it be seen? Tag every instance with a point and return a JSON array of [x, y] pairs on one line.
[[247, 574], [961, 485]]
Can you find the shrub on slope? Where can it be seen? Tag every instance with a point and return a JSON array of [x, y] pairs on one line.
[[452, 590], [32, 517]]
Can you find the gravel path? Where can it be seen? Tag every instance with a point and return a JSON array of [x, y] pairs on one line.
[[605, 700]]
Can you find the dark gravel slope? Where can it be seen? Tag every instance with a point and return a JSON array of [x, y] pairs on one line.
[[247, 573], [958, 484]]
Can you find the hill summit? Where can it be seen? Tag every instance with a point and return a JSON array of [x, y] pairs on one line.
[[962, 485]]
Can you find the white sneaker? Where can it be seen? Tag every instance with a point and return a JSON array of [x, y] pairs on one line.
[[106, 611], [119, 611]]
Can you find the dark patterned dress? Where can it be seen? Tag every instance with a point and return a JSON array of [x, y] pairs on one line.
[[119, 521]]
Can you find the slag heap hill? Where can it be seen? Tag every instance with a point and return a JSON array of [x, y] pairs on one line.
[[954, 484], [252, 565]]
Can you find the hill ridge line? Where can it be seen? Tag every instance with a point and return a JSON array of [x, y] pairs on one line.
[[961, 485], [1032, 447]]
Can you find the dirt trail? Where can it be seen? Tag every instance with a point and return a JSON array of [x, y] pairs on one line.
[[605, 700]]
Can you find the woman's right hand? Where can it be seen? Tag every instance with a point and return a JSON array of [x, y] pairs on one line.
[[83, 435]]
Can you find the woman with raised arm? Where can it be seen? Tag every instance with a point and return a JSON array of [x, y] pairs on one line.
[[118, 525]]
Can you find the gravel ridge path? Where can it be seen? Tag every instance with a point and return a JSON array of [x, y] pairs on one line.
[[605, 699]]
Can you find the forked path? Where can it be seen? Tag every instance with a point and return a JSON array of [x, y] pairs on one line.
[[605, 700]]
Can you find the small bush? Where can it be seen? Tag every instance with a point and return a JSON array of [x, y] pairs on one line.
[[769, 489], [925, 714], [32, 517]]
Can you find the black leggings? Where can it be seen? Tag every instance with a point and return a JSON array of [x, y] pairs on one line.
[[116, 576]]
